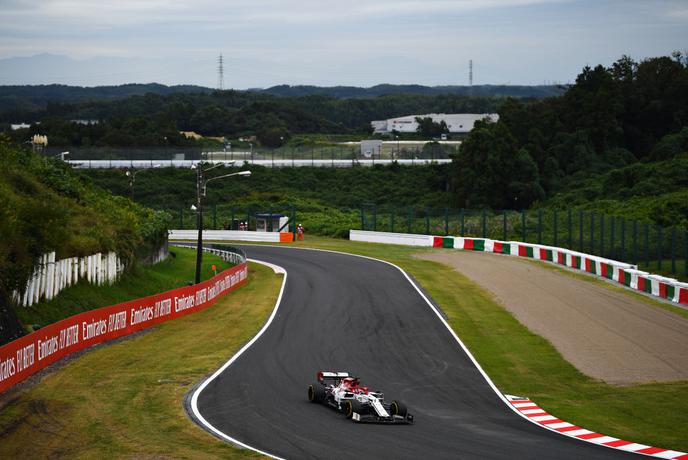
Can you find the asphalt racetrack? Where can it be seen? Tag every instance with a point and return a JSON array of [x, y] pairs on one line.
[[347, 313]]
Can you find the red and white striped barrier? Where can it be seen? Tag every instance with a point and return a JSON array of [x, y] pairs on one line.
[[625, 274], [535, 413]]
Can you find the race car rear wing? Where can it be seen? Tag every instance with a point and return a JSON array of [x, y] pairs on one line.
[[322, 375]]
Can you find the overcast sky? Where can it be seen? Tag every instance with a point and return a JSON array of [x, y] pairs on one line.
[[321, 42]]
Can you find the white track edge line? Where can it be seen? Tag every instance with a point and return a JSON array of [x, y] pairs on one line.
[[456, 337], [197, 392]]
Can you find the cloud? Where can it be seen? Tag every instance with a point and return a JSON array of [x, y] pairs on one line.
[[126, 13], [368, 40]]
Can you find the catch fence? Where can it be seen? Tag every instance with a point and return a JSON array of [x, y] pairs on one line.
[[651, 247], [283, 156]]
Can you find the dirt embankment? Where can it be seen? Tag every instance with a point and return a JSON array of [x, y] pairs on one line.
[[607, 335]]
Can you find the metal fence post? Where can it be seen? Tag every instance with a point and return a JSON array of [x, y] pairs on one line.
[[602, 235], [392, 219], [463, 221], [427, 221], [685, 258], [647, 245], [580, 224], [623, 239], [446, 221], [673, 250], [555, 227], [181, 218], [659, 248], [214, 217], [504, 224], [635, 242], [293, 222], [592, 232], [362, 219], [484, 219], [613, 238], [539, 226], [570, 229], [231, 224], [523, 224], [375, 218]]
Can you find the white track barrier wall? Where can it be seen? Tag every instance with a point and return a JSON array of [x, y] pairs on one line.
[[227, 235], [623, 273], [51, 276]]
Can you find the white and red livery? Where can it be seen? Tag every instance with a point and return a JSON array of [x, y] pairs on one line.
[[343, 392]]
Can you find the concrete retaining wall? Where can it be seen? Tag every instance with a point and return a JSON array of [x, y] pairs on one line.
[[230, 235]]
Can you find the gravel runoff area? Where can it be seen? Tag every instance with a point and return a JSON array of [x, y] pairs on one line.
[[605, 334]]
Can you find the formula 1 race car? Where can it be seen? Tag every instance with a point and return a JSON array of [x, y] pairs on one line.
[[344, 393]]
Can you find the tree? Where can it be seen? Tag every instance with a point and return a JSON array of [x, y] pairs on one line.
[[273, 137], [490, 171], [428, 128]]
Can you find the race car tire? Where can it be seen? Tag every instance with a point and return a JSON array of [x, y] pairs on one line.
[[316, 393], [352, 406], [348, 409], [398, 408]]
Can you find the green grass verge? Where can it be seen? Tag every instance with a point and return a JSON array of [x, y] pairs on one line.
[[125, 399], [525, 364], [140, 282]]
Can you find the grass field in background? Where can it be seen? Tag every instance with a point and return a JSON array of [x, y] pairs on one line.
[[169, 274], [125, 399], [523, 363]]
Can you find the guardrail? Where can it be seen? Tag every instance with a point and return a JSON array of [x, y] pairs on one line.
[[625, 274], [229, 254], [27, 355]]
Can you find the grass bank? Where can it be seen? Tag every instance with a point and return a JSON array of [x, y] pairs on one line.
[[523, 363], [125, 399], [142, 281]]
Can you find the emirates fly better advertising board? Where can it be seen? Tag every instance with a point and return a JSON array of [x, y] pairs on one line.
[[23, 357]]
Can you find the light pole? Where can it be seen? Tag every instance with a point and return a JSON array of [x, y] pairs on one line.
[[251, 145], [201, 185], [131, 174]]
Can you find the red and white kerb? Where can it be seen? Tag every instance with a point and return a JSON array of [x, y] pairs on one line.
[[533, 412]]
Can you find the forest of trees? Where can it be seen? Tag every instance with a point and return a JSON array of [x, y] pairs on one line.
[[146, 120], [610, 118]]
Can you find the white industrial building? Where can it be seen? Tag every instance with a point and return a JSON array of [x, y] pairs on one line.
[[456, 122]]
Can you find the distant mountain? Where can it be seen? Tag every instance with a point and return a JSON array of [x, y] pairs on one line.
[[539, 91], [32, 98], [63, 93]]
